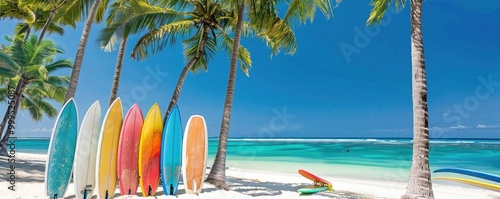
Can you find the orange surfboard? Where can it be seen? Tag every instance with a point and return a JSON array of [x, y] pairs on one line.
[[317, 180], [194, 154]]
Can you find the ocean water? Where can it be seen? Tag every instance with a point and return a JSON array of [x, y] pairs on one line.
[[388, 159]]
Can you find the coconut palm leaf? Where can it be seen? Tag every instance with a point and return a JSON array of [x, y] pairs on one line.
[[192, 46], [8, 67], [59, 64], [136, 17], [156, 40], [379, 9]]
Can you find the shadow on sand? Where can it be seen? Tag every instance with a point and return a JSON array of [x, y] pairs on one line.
[[255, 188], [26, 170]]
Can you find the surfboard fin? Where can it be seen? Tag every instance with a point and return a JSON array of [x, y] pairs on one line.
[[194, 186]]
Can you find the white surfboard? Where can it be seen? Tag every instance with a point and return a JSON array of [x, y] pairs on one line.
[[86, 150]]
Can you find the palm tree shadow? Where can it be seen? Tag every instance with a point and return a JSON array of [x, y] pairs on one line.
[[255, 188], [26, 170]]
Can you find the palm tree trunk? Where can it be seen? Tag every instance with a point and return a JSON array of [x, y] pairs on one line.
[[217, 175], [185, 70], [75, 74], [46, 26], [19, 93], [118, 71], [6, 116], [419, 183], [27, 33]]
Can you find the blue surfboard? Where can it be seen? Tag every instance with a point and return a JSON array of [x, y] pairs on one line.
[[61, 152], [477, 174], [171, 153]]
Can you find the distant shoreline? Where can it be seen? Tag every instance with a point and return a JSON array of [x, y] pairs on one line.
[[332, 138]]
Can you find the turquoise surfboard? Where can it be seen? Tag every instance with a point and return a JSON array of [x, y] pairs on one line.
[[472, 173], [171, 146], [61, 152], [312, 189]]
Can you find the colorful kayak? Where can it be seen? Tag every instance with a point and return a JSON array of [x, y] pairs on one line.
[[128, 151], [61, 152], [149, 151], [86, 152], [171, 152], [494, 187], [194, 154], [472, 173], [312, 189], [107, 151]]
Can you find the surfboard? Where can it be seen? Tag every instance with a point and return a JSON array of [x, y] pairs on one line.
[[312, 189], [477, 174], [107, 151], [171, 152], [194, 154], [128, 151], [86, 152], [149, 151], [490, 186], [61, 152], [317, 180]]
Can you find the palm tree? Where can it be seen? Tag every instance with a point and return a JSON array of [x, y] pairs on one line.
[[97, 12], [419, 182], [115, 8], [278, 34], [64, 12], [207, 19], [30, 66], [13, 10]]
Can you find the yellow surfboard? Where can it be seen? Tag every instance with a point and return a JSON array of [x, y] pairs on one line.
[[149, 151], [490, 186], [107, 151]]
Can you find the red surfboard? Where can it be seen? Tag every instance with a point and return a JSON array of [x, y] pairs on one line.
[[317, 180], [128, 151]]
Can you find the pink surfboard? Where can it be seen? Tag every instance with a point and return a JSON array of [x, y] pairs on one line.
[[128, 151]]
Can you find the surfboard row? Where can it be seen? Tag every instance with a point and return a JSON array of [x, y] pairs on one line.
[[131, 152]]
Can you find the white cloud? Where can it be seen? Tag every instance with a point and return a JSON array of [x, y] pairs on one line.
[[38, 130], [460, 127], [484, 126], [391, 130]]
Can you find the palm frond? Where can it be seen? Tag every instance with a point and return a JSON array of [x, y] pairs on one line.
[[101, 11], [192, 46], [380, 8], [8, 67], [21, 28], [243, 54], [134, 18], [45, 51], [157, 39], [35, 112], [59, 64], [71, 12], [279, 35]]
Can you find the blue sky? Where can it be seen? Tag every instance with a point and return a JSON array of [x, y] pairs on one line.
[[345, 80]]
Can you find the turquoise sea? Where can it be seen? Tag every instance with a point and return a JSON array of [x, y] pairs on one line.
[[388, 159]]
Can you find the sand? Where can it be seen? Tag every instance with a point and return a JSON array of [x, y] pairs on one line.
[[29, 175]]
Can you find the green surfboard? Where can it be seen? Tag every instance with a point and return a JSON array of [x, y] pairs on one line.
[[312, 189]]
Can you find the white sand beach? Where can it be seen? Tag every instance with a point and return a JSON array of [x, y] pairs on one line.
[[29, 175]]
